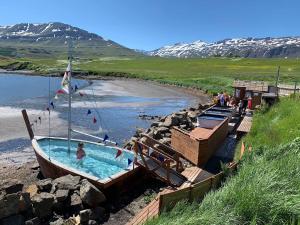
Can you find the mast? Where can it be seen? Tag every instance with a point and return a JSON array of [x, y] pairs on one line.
[[70, 99]]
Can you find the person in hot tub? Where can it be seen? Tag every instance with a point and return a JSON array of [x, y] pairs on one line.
[[80, 154]]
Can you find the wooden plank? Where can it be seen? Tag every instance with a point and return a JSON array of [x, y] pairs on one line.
[[199, 190], [245, 125], [169, 200]]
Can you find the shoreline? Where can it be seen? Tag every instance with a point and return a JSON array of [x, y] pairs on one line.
[[80, 75]]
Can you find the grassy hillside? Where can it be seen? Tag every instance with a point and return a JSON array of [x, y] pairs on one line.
[[212, 74], [266, 188]]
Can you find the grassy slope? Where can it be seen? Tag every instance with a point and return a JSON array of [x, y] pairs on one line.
[[212, 74], [266, 188]]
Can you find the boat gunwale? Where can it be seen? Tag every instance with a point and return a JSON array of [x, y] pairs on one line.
[[106, 181]]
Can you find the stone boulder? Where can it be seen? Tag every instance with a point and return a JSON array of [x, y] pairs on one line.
[[42, 204], [67, 182], [24, 202], [75, 200], [9, 204], [13, 220], [12, 186], [44, 185], [90, 195], [33, 221], [61, 195]]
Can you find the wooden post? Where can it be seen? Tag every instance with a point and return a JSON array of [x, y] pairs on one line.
[[277, 78], [27, 123], [295, 87]]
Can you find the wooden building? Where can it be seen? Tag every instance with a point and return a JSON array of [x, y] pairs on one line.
[[243, 90]]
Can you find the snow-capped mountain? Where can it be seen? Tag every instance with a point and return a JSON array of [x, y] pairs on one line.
[[49, 38], [241, 47]]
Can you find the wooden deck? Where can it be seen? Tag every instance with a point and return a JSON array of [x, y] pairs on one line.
[[245, 125], [175, 178]]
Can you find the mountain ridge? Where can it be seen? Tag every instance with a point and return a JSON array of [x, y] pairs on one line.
[[234, 47], [50, 39]]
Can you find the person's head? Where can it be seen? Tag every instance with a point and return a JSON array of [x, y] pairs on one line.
[[80, 145]]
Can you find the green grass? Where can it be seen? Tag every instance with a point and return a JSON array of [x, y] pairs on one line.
[[265, 189], [211, 74]]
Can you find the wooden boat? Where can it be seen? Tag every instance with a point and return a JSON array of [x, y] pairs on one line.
[[54, 167]]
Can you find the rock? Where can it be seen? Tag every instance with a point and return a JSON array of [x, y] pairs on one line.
[[92, 222], [97, 213], [24, 202], [35, 166], [163, 130], [90, 195], [166, 141], [157, 135], [34, 221], [12, 186], [75, 200], [193, 115], [67, 182], [42, 204], [85, 215], [59, 221], [154, 124], [13, 220], [32, 190], [61, 195], [183, 126], [44, 185], [9, 204], [168, 135]]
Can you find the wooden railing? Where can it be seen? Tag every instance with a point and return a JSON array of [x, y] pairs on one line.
[[154, 156], [165, 149]]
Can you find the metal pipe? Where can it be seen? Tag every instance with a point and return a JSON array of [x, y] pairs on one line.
[[89, 135]]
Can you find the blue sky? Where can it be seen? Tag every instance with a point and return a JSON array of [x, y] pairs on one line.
[[149, 24]]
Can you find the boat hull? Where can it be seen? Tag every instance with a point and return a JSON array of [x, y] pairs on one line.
[[51, 169]]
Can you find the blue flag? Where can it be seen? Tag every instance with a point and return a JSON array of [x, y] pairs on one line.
[[89, 112], [105, 137], [76, 87], [129, 161], [52, 104]]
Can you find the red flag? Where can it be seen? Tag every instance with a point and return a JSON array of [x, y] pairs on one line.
[[94, 120], [119, 152], [60, 92], [81, 94]]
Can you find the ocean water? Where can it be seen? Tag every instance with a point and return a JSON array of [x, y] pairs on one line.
[[100, 161], [115, 106]]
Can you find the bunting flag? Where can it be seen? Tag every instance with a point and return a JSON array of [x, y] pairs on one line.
[[48, 109], [94, 120], [119, 152], [66, 79], [60, 91], [129, 162], [105, 138], [76, 87], [40, 119], [150, 151], [81, 94], [56, 96], [52, 104], [89, 112]]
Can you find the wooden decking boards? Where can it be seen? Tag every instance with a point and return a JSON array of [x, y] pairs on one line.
[[245, 125]]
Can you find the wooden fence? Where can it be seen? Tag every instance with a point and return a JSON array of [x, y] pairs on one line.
[[194, 192]]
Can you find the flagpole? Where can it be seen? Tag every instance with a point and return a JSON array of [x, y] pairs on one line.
[[69, 109]]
